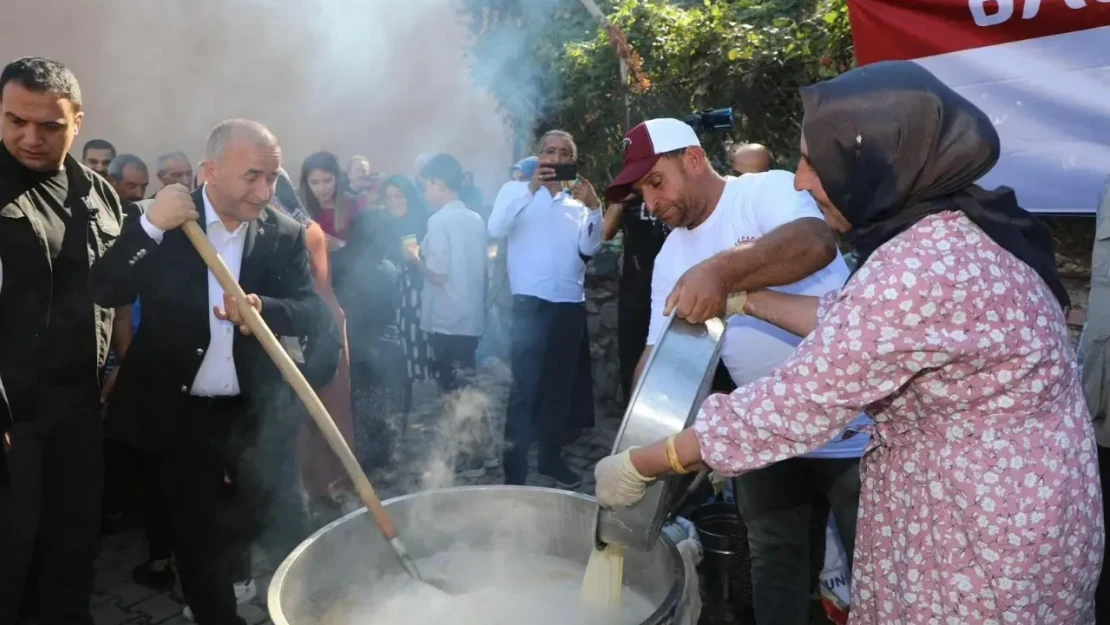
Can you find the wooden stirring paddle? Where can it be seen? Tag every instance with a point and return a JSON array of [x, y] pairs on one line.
[[296, 379]]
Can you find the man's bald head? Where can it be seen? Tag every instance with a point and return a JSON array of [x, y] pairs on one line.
[[751, 158], [241, 169], [239, 130]]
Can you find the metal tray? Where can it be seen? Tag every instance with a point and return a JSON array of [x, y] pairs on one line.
[[675, 381]]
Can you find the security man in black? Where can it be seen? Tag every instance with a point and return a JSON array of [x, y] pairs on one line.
[[643, 238], [57, 217]]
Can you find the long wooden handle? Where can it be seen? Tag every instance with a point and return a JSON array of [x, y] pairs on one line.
[[293, 375]]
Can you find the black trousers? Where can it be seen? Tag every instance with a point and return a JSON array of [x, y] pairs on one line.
[[633, 321], [272, 469], [53, 498], [551, 390], [119, 461], [776, 505], [156, 515], [213, 503], [452, 359], [128, 470]]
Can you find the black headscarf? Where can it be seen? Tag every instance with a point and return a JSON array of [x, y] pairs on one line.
[[415, 220], [892, 144]]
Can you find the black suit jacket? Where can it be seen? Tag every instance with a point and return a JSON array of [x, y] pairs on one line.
[[171, 281]]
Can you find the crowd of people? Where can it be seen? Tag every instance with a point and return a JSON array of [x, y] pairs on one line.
[[372, 283], [928, 393]]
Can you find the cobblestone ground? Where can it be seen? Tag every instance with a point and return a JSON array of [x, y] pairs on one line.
[[118, 601]]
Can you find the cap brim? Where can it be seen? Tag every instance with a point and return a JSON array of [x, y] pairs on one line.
[[621, 186]]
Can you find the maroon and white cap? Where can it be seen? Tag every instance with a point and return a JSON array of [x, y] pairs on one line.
[[643, 145]]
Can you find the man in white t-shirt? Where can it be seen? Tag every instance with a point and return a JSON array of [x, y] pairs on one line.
[[758, 232]]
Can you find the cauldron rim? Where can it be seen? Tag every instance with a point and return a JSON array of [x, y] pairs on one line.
[[661, 614]]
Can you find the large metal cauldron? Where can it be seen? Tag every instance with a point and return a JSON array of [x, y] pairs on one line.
[[342, 561]]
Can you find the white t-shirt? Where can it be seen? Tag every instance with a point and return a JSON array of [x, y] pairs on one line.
[[750, 207], [455, 246]]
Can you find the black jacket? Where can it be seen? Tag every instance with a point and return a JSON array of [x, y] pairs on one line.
[[171, 282], [23, 325]]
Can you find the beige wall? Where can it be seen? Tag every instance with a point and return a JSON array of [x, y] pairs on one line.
[[386, 78]]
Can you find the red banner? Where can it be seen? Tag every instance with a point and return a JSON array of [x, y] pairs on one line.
[[912, 29], [1039, 68]]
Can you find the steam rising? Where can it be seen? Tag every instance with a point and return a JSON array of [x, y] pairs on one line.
[[384, 78]]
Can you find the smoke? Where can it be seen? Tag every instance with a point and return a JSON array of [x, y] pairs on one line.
[[386, 78], [467, 430]]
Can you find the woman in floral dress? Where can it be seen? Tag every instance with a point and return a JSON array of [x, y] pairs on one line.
[[980, 501]]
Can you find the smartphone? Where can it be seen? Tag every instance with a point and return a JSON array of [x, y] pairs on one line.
[[565, 172]]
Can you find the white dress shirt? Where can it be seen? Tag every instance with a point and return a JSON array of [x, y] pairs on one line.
[[545, 236], [455, 247], [217, 376]]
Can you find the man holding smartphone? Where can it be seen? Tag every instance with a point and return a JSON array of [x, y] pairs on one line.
[[552, 226]]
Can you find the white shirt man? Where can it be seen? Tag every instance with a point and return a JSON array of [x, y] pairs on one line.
[[216, 376], [547, 237], [551, 228]]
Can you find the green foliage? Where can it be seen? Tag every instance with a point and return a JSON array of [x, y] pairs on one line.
[[749, 54]]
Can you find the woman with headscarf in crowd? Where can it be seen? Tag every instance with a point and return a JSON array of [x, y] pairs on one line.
[[980, 500], [367, 284], [408, 219], [320, 469], [322, 194]]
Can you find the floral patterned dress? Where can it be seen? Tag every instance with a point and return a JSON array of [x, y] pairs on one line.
[[980, 501]]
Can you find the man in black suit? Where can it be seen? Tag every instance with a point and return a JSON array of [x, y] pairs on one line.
[[193, 380], [56, 217]]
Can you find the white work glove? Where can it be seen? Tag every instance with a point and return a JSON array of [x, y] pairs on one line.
[[618, 482]]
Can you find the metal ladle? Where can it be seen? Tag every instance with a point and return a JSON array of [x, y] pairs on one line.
[[253, 320]]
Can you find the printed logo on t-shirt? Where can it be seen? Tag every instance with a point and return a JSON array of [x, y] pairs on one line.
[[744, 239], [641, 212]]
